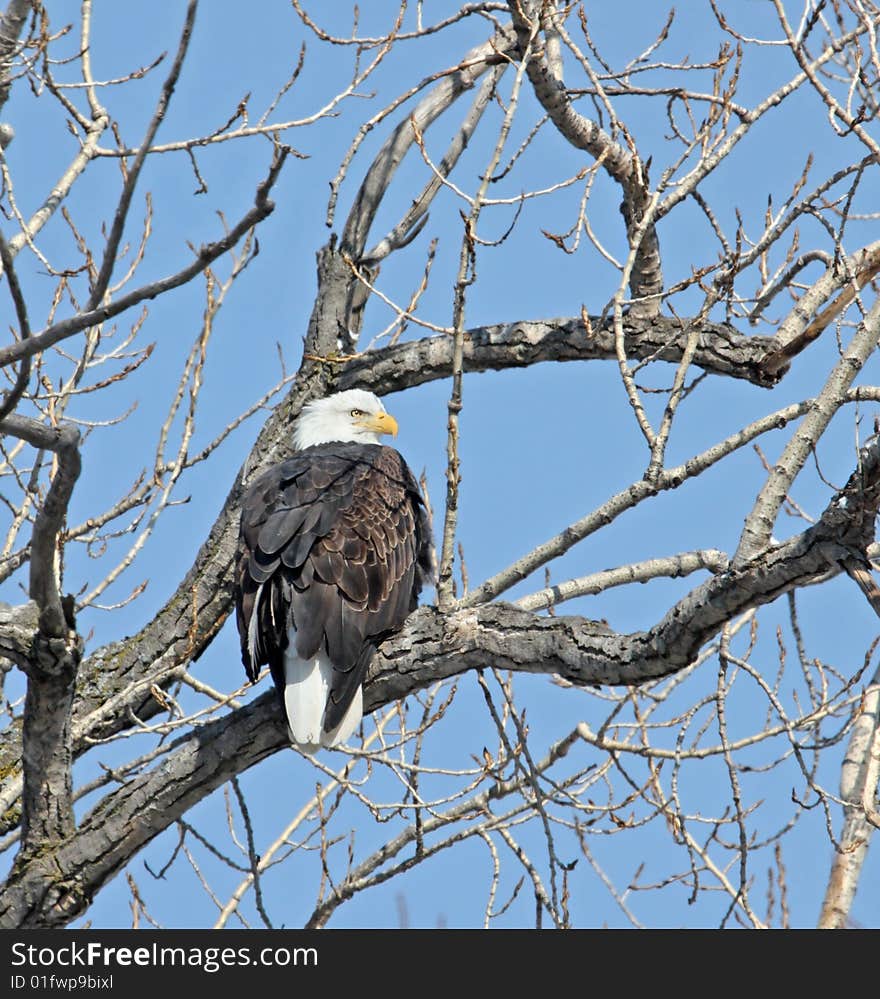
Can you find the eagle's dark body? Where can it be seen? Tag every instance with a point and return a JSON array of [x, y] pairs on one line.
[[335, 544]]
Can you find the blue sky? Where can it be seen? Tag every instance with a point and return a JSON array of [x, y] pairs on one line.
[[540, 446]]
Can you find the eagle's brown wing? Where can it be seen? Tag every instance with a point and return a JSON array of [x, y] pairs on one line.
[[336, 543]]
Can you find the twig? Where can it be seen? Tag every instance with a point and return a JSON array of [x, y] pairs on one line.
[[263, 207], [12, 397]]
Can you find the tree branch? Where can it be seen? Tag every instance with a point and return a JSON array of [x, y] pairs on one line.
[[416, 216], [858, 788], [52, 890], [760, 521], [11, 24], [17, 628], [24, 330], [721, 349], [54, 656], [118, 677], [671, 567], [623, 165], [133, 173], [262, 208], [378, 178]]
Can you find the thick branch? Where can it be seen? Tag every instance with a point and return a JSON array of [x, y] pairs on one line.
[[50, 891], [64, 441], [47, 755], [117, 678], [54, 888], [858, 788], [52, 662], [417, 214], [17, 628], [721, 349], [44, 541], [442, 96], [759, 524]]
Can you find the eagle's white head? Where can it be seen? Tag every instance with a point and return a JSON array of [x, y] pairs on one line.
[[354, 415]]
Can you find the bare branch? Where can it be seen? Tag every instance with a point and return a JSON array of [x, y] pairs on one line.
[[262, 208], [624, 165], [23, 377], [859, 779], [11, 25], [380, 174], [759, 523], [673, 567]]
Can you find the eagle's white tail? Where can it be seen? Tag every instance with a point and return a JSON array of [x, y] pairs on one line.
[[306, 689]]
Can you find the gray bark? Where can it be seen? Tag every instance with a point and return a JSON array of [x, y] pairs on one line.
[[61, 866], [115, 680], [11, 24], [51, 891]]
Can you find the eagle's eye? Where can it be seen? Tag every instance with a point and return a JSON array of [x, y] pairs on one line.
[[357, 412]]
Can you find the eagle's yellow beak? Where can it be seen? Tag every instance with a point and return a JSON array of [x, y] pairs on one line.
[[382, 423]]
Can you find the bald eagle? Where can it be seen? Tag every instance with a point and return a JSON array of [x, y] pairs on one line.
[[334, 547]]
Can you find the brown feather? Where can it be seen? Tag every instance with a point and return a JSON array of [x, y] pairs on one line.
[[340, 538]]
